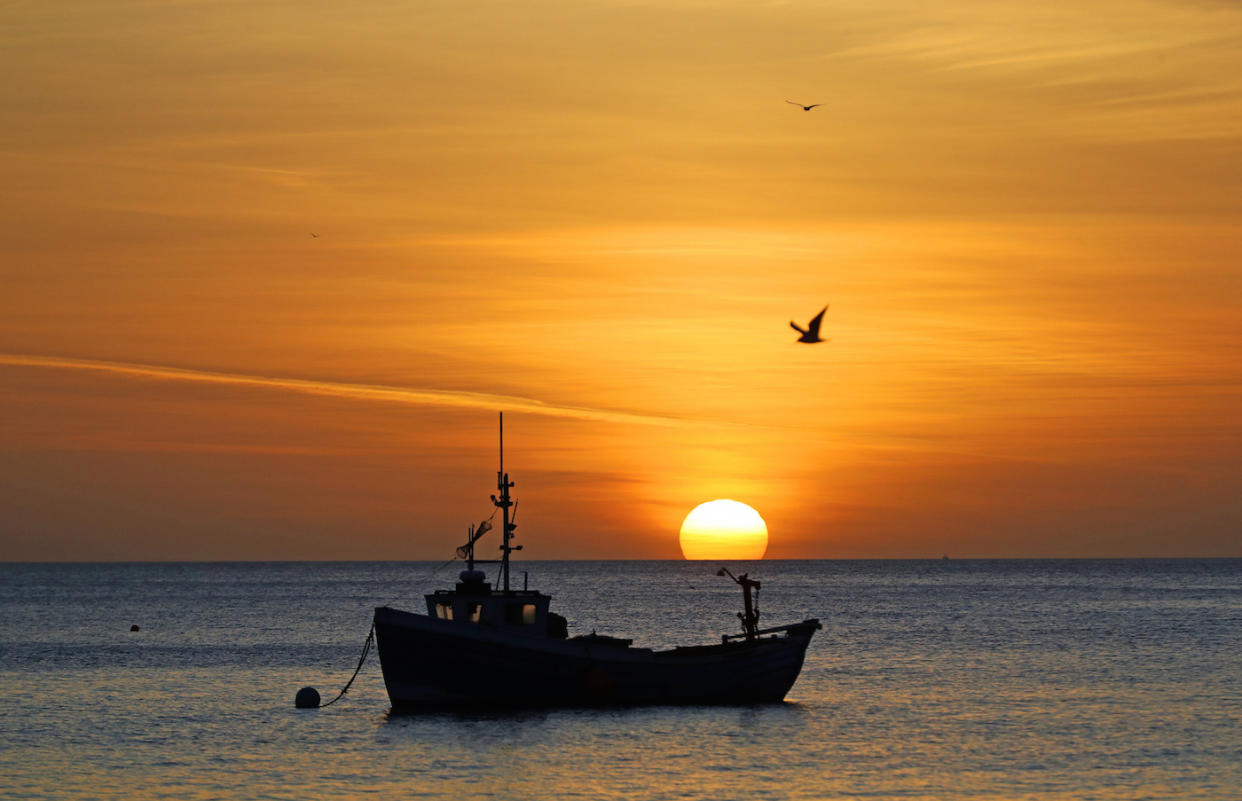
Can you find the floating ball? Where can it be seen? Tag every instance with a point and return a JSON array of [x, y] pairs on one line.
[[307, 698], [134, 627]]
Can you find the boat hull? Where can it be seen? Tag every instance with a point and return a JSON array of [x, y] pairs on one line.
[[430, 663]]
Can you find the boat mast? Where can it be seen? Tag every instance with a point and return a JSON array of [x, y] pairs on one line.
[[504, 503], [749, 618]]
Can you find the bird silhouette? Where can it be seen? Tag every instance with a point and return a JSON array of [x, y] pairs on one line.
[[314, 236], [810, 334], [801, 106]]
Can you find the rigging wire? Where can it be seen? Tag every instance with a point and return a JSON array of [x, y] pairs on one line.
[[441, 566]]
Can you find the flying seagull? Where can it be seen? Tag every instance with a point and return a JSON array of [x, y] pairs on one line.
[[810, 334], [804, 108], [314, 236]]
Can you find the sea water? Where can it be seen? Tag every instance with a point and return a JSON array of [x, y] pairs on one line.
[[930, 679]]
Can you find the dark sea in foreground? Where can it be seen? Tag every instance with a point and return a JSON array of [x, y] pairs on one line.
[[955, 679]]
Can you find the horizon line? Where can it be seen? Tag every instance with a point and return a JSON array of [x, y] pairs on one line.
[[634, 559]]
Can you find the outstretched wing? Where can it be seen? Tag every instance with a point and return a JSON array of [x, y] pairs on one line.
[[816, 321], [813, 105], [796, 327], [799, 105]]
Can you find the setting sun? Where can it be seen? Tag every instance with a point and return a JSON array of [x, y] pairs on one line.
[[723, 529]]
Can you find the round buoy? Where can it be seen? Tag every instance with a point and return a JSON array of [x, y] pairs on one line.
[[134, 627], [307, 698]]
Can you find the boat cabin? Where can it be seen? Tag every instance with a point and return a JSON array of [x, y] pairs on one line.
[[474, 601]]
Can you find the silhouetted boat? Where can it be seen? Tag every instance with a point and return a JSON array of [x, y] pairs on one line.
[[483, 647]]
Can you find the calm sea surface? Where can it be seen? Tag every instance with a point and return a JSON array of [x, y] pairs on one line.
[[944, 680]]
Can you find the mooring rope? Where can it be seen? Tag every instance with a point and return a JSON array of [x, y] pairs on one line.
[[366, 648]]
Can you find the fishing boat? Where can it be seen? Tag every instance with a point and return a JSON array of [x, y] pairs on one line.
[[485, 646]]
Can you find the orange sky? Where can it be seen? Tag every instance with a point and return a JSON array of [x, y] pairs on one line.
[[600, 217]]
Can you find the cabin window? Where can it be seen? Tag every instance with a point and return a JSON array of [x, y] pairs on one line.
[[444, 611], [520, 614], [475, 611]]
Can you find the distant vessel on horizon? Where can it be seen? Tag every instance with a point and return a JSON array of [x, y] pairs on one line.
[[480, 646]]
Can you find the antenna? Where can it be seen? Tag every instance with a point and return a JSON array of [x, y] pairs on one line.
[[504, 502]]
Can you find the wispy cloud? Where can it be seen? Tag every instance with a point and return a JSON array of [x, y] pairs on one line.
[[341, 389]]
